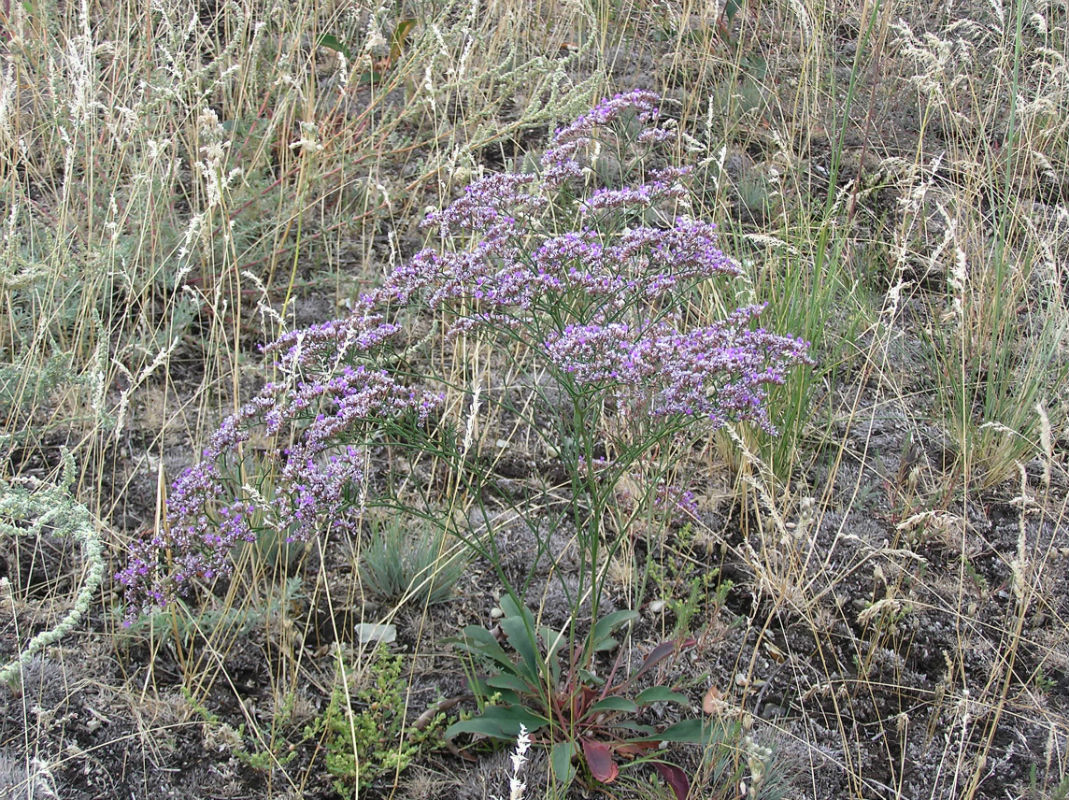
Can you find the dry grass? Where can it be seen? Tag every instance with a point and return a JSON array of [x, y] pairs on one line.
[[180, 184]]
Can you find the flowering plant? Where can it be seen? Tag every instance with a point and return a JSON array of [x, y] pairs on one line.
[[595, 282], [330, 402]]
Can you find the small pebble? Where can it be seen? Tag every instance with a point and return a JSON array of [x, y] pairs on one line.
[[496, 613], [771, 711], [368, 632]]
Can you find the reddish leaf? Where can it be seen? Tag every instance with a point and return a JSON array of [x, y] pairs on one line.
[[587, 697], [599, 759], [635, 748], [674, 777], [655, 657]]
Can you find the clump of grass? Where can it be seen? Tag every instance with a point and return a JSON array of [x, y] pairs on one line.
[[409, 561]]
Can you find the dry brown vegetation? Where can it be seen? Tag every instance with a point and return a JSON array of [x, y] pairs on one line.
[[879, 595]]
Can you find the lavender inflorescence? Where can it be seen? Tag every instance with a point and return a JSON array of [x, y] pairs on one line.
[[212, 509], [593, 279], [718, 372]]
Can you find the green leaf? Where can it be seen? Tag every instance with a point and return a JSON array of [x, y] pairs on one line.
[[607, 644], [589, 678], [502, 697], [510, 681], [560, 756], [400, 35], [553, 640], [522, 640], [498, 722], [660, 694], [613, 703], [475, 637], [514, 609], [637, 727], [480, 642], [602, 633], [508, 698], [332, 42], [689, 731], [519, 628]]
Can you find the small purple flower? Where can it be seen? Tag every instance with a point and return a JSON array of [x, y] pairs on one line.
[[361, 332], [665, 185], [560, 161], [496, 200]]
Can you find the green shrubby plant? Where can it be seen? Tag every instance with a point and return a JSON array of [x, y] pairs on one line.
[[364, 730], [265, 755]]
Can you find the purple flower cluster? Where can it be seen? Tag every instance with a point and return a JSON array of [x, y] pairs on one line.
[[592, 279], [309, 487], [718, 372], [334, 341], [665, 184], [561, 161], [520, 266], [496, 200]]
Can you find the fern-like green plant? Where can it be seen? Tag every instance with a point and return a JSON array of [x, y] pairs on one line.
[[364, 732]]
